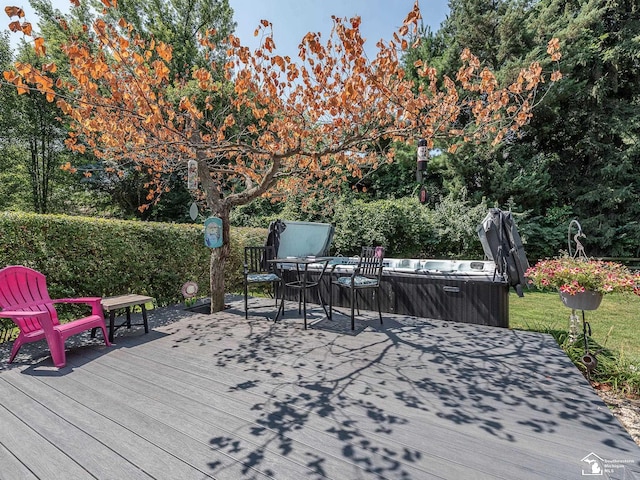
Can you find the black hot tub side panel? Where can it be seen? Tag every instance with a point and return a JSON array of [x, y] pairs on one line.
[[475, 299]]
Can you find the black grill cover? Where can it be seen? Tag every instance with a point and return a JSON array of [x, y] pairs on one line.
[[501, 243]]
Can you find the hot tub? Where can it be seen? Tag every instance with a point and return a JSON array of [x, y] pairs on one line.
[[467, 291]]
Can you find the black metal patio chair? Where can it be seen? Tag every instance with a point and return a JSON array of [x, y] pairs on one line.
[[366, 275], [258, 270]]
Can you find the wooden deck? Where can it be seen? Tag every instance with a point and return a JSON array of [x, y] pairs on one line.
[[216, 396]]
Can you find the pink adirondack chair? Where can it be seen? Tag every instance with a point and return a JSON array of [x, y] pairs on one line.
[[25, 300]]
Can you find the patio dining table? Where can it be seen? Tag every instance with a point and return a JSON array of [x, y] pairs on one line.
[[301, 282]]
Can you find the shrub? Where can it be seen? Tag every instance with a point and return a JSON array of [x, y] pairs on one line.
[[455, 222], [92, 256], [408, 229], [403, 226]]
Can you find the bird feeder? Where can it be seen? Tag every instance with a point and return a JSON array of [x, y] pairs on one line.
[[192, 175], [423, 157]]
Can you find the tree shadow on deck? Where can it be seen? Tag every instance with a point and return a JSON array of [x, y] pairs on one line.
[[400, 399]]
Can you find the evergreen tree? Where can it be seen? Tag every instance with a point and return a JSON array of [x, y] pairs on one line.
[[579, 155], [591, 123], [14, 179]]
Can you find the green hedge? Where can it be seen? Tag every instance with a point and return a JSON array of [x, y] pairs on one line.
[[92, 256], [403, 226], [408, 229]]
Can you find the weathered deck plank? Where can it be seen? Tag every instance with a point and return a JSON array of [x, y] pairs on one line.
[[219, 397], [202, 393], [58, 446], [12, 467], [483, 455]]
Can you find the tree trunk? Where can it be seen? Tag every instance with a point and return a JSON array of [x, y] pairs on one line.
[[217, 266]]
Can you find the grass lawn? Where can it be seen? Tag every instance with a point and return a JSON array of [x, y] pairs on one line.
[[614, 325]]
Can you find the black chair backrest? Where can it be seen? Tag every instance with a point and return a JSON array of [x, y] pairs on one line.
[[371, 260], [255, 258]]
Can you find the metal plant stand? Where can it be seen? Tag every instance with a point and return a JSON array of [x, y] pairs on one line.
[[588, 358]]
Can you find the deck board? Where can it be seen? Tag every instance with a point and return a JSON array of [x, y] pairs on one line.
[[187, 414], [12, 467], [202, 394], [23, 444], [315, 426], [217, 396], [58, 445]]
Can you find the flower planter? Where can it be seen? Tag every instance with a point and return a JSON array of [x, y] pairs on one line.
[[587, 300], [575, 274]]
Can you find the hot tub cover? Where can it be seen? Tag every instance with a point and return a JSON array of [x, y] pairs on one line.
[[300, 239]]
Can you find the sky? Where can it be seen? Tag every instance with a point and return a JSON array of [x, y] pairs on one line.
[[292, 19]]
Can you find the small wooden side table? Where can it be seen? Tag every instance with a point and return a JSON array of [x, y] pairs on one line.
[[111, 304]]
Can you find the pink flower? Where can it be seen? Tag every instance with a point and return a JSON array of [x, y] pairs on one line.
[[573, 275]]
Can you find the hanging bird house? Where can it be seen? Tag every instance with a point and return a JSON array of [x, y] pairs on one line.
[[213, 232]]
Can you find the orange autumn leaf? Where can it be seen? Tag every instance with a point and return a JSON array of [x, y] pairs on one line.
[[553, 49], [39, 46], [14, 12], [50, 67], [414, 15], [21, 88], [229, 121], [269, 45], [279, 61], [164, 51], [68, 168]]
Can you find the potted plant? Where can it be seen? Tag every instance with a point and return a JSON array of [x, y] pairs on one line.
[[582, 282]]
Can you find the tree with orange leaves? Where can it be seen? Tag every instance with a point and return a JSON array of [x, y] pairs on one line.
[[278, 124]]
